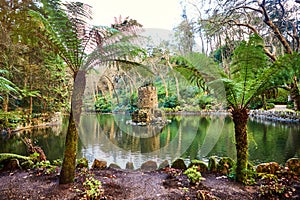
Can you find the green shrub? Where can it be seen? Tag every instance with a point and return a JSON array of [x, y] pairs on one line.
[[103, 105], [204, 101], [93, 188], [171, 102], [290, 105], [270, 106], [193, 175]]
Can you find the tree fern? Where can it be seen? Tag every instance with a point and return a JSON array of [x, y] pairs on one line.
[[251, 74]]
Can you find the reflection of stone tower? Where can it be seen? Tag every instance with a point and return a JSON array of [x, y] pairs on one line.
[[148, 111]]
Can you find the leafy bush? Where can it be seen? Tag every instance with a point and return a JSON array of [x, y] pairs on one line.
[[93, 188], [193, 175], [46, 167], [290, 105], [270, 106], [204, 101], [171, 102], [103, 105]]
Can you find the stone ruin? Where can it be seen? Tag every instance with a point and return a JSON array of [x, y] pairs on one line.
[[148, 111]]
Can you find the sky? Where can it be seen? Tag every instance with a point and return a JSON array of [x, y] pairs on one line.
[[162, 14]]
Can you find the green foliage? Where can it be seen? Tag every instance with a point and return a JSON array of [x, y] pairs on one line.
[[103, 104], [248, 70], [249, 172], [11, 119], [270, 106], [193, 175], [46, 167], [82, 162], [204, 101], [6, 86], [93, 188], [272, 186], [171, 102], [290, 105]]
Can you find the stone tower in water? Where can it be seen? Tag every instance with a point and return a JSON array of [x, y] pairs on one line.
[[147, 104]]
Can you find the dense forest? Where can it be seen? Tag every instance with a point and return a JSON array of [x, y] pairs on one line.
[[53, 60]]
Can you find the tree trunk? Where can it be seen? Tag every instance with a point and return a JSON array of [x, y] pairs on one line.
[[295, 94], [5, 102], [240, 117], [67, 173]]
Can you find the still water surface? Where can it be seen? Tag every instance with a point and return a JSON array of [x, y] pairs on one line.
[[108, 137]]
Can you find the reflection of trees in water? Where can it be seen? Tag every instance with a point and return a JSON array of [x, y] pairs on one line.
[[50, 139], [275, 141], [110, 134]]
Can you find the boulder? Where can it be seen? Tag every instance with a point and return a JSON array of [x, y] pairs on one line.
[[11, 161], [268, 168], [12, 164], [202, 167], [114, 166], [129, 166], [179, 164], [149, 166], [294, 165], [224, 165], [99, 164], [212, 164], [164, 164]]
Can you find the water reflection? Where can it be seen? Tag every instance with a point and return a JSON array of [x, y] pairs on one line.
[[51, 139], [108, 137]]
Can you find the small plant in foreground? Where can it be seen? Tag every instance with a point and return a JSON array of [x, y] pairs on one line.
[[193, 175], [273, 186], [93, 188], [46, 167]]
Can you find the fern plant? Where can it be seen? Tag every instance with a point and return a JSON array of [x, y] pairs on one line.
[[65, 28], [249, 75]]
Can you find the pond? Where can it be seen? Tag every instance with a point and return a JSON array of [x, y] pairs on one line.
[[108, 137]]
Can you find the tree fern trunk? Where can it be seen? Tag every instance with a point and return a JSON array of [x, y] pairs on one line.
[[5, 102], [240, 117], [67, 173]]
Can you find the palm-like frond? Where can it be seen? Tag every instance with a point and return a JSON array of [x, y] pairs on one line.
[[251, 73], [83, 46], [6, 86], [249, 63]]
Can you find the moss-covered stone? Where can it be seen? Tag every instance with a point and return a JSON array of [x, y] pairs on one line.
[[268, 168], [179, 164], [212, 164], [294, 165], [224, 165], [201, 165], [99, 164]]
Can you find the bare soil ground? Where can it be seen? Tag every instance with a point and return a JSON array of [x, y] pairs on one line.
[[123, 184]]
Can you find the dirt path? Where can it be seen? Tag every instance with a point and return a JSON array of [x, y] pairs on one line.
[[123, 184]]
